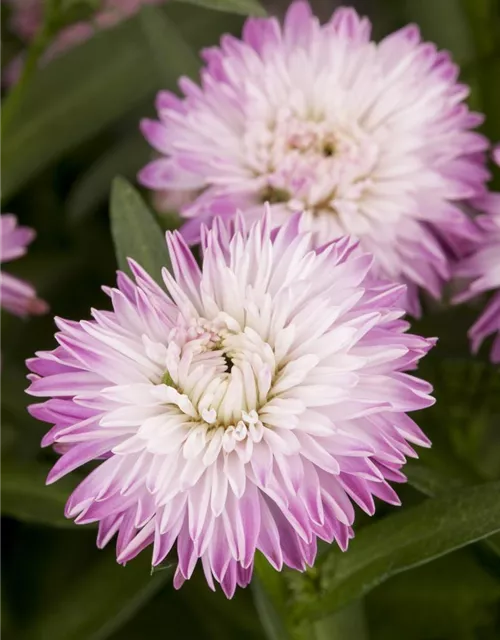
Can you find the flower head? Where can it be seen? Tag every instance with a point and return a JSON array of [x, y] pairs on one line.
[[482, 268], [371, 140], [246, 409], [17, 296]]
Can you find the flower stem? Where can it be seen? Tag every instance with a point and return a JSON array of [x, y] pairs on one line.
[[35, 51], [347, 624]]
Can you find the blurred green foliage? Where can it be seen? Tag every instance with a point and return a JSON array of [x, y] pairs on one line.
[[74, 129]]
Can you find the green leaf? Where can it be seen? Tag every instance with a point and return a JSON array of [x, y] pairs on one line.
[[445, 23], [79, 94], [455, 597], [166, 44], [136, 234], [99, 602], [269, 593], [245, 7], [445, 474], [404, 540], [125, 158], [347, 623], [73, 98], [26, 497]]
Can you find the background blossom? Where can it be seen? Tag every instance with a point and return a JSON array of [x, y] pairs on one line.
[[17, 297], [482, 267], [373, 140]]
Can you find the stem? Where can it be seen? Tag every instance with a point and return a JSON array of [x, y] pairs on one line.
[[347, 624], [35, 51]]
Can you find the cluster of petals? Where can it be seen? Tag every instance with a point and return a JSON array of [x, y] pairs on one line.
[[482, 269], [27, 17], [370, 139], [16, 296], [246, 407]]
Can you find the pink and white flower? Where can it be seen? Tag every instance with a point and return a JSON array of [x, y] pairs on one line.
[[482, 267], [17, 297], [372, 140], [247, 408], [27, 18]]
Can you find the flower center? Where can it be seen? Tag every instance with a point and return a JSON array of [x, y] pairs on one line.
[[217, 377], [311, 163]]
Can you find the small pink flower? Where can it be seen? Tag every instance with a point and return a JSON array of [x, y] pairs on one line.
[[372, 140], [246, 409], [17, 296], [482, 267]]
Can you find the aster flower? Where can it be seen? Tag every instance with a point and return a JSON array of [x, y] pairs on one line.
[[17, 297], [246, 409], [372, 140], [27, 18], [482, 267]]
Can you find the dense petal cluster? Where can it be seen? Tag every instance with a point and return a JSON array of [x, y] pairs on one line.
[[482, 267], [27, 18], [17, 297], [245, 409], [372, 140]]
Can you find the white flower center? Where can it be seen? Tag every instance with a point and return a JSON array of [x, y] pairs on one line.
[[217, 378], [310, 162]]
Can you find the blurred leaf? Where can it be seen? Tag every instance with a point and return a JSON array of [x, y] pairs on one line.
[[166, 44], [73, 98], [444, 475], [124, 158], [78, 94], [454, 597], [445, 23], [402, 541], [269, 618], [26, 497], [100, 601], [229, 619], [270, 597], [136, 233], [429, 481], [349, 623], [245, 7], [484, 19]]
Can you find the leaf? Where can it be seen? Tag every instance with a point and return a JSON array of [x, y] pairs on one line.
[[443, 476], [269, 592], [136, 234], [79, 94], [454, 596], [245, 7], [269, 619], [445, 23], [26, 497], [404, 540], [166, 44], [73, 98], [124, 158], [100, 601]]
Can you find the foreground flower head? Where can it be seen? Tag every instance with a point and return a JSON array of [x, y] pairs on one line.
[[482, 267], [27, 18], [246, 409], [372, 140], [17, 297]]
